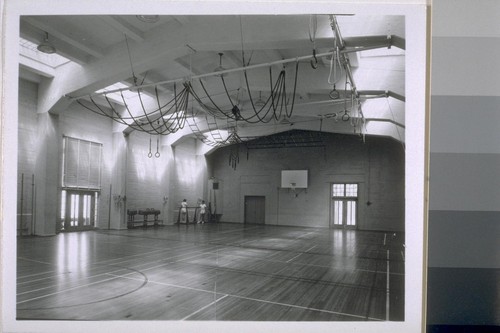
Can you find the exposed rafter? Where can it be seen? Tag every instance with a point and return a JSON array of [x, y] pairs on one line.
[[123, 26], [180, 49]]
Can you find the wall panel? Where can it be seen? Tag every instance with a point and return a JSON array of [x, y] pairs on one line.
[[377, 165], [77, 122], [26, 158]]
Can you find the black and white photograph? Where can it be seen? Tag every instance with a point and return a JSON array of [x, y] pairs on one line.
[[217, 165]]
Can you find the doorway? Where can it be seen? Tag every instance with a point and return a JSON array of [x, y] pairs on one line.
[[78, 210], [344, 206], [255, 212]]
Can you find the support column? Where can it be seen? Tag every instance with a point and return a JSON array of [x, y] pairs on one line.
[[47, 173], [118, 186]]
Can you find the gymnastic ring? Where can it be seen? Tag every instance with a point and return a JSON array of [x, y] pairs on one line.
[[345, 117], [150, 154], [334, 94], [157, 154]]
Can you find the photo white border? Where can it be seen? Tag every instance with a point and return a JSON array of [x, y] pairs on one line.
[[416, 119]]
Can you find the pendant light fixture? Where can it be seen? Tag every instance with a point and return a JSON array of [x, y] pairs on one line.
[[46, 46], [260, 102], [220, 68]]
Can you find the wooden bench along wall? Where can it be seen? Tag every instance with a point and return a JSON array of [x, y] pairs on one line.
[[143, 217]]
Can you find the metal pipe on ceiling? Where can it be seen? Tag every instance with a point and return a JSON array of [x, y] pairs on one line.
[[239, 69]]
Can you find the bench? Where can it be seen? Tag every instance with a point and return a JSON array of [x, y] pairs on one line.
[[149, 217]]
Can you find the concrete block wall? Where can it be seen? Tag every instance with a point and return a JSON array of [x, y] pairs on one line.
[[190, 177], [377, 166], [80, 123], [27, 152], [127, 171], [40, 153], [38, 160], [145, 176]]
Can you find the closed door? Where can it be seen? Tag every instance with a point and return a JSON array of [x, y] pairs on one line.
[[255, 209], [344, 213], [344, 206], [78, 210]]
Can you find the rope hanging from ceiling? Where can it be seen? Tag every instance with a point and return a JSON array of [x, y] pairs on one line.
[[171, 115], [273, 108], [164, 119]]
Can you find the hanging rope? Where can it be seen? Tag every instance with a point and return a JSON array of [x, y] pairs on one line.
[[157, 147], [165, 119], [273, 106], [130, 59], [150, 154], [313, 27]]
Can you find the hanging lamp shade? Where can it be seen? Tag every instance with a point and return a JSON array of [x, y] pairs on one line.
[[260, 102], [220, 68], [46, 46]]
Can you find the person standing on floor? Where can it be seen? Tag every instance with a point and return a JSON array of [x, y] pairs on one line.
[[184, 206], [203, 208]]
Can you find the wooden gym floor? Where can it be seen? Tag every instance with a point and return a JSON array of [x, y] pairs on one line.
[[212, 272]]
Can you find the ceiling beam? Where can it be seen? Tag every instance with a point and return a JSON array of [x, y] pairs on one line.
[[152, 53], [123, 26], [36, 67]]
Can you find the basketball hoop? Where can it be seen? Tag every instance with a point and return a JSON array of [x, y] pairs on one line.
[[292, 186]]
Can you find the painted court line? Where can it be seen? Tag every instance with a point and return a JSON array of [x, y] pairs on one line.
[[304, 307], [37, 261], [298, 255], [161, 283], [311, 265], [64, 273], [38, 274], [203, 308], [304, 235], [258, 300], [312, 247], [65, 290], [76, 280], [132, 256], [387, 302], [89, 284], [101, 274], [88, 265]]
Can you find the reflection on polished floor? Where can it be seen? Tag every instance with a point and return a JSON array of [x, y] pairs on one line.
[[212, 272]]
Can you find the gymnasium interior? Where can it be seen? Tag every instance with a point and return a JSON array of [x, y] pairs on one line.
[[290, 128]]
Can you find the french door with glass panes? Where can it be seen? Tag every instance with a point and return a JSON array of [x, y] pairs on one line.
[[344, 206], [78, 210]]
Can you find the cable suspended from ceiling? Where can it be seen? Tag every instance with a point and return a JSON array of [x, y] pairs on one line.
[[165, 118], [174, 110], [355, 115], [168, 117], [273, 108]]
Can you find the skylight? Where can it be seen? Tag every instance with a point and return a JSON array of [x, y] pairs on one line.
[[117, 96], [29, 49]]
